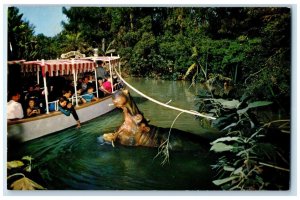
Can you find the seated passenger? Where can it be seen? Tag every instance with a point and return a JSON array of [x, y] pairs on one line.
[[118, 84], [80, 99], [106, 87], [67, 108], [14, 108], [30, 93], [85, 84], [100, 91], [67, 93], [89, 96], [32, 109], [40, 98], [100, 71]]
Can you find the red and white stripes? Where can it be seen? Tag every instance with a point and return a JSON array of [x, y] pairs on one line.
[[58, 67], [63, 67]]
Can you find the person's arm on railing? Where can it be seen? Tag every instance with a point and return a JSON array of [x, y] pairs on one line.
[[66, 112]]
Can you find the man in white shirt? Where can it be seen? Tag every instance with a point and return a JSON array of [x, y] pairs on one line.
[[14, 108]]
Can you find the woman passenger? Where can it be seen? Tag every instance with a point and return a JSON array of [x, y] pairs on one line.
[[32, 110], [106, 87]]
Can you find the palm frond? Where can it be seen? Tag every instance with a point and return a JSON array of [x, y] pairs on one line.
[[190, 69]]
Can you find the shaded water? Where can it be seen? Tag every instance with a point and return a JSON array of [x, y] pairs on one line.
[[72, 159]]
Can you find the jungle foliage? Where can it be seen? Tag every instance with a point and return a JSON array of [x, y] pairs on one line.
[[249, 48], [18, 172], [250, 45], [251, 148]]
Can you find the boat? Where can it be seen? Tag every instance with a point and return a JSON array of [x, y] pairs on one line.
[[31, 128]]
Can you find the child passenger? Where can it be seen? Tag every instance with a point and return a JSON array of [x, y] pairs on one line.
[[32, 109], [89, 96], [80, 99], [67, 108]]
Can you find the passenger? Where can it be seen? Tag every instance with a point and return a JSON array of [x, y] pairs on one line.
[[106, 87], [79, 82], [92, 81], [67, 108], [14, 108], [67, 93], [85, 84], [89, 96], [30, 93], [80, 99], [32, 109], [91, 78], [100, 71], [100, 91], [40, 98], [118, 84]]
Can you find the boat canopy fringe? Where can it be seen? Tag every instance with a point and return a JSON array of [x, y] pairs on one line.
[[58, 67]]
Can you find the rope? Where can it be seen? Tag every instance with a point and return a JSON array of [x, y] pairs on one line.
[[192, 112]]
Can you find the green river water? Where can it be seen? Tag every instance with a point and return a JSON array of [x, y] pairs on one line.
[[73, 159]]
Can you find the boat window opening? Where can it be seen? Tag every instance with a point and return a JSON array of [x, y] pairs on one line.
[[71, 70]]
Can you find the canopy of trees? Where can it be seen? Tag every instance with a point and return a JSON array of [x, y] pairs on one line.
[[250, 45]]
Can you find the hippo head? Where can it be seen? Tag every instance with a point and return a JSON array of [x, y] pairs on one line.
[[122, 99], [134, 126]]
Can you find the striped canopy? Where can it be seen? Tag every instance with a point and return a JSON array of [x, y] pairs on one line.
[[58, 67], [15, 62]]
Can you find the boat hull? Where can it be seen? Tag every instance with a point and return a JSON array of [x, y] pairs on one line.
[[32, 128]]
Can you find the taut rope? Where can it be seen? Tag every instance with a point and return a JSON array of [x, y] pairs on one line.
[[192, 112]]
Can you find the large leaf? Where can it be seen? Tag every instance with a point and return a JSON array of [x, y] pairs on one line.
[[28, 168], [29, 158], [229, 126], [222, 122], [14, 164], [254, 105], [110, 51], [228, 168], [220, 147], [189, 70], [223, 139], [238, 170], [25, 184], [224, 180], [259, 104], [228, 104]]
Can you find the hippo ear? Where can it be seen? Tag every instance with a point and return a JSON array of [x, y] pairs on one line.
[[125, 92], [138, 118]]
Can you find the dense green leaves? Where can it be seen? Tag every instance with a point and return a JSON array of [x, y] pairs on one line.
[[20, 36], [249, 45]]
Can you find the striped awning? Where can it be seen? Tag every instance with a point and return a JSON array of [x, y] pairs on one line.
[[15, 62], [58, 67]]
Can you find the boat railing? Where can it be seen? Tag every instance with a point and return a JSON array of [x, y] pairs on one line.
[[71, 99]]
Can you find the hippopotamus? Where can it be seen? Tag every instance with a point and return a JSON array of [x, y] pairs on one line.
[[136, 130]]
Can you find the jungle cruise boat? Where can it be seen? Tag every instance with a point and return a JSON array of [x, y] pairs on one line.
[[30, 128]]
